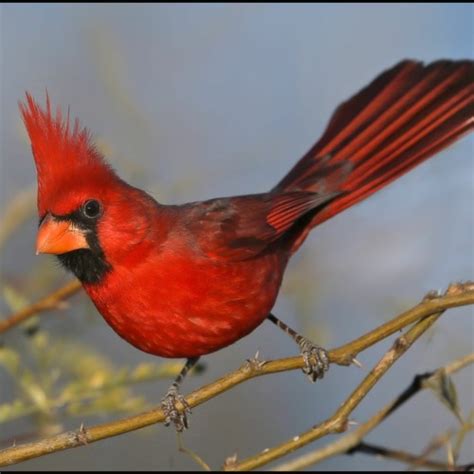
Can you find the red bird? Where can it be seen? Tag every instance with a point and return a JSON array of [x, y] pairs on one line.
[[187, 280]]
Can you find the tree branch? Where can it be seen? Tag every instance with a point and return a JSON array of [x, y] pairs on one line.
[[408, 458], [342, 355], [338, 422], [431, 304], [352, 441], [52, 301]]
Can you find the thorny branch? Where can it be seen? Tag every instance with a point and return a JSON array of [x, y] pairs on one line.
[[338, 422], [426, 313], [407, 458], [352, 442]]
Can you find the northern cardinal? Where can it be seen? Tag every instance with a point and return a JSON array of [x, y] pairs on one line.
[[187, 280]]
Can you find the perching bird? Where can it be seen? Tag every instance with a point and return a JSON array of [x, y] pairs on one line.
[[187, 280]]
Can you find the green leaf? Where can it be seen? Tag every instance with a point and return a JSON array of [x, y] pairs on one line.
[[16, 302], [15, 409], [10, 359], [13, 298]]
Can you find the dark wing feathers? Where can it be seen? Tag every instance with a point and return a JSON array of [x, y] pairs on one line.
[[404, 116], [242, 227], [287, 208]]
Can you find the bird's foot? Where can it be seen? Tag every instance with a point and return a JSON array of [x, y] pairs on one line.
[[316, 359], [168, 404]]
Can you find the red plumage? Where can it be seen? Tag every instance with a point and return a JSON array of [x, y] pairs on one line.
[[183, 281], [403, 117], [65, 156]]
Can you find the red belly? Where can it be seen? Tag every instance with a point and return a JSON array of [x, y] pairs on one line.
[[188, 308]]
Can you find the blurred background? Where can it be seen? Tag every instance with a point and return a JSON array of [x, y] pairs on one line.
[[197, 101]]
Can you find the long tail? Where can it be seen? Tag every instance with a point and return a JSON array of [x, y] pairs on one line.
[[403, 117]]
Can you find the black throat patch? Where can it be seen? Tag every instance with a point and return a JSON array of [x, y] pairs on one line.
[[85, 264], [89, 265]]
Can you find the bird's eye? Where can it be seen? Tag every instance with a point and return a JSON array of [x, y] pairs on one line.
[[92, 209]]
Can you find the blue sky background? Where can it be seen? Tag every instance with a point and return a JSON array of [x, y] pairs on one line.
[[196, 101]]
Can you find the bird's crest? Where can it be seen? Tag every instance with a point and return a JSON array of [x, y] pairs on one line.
[[60, 151]]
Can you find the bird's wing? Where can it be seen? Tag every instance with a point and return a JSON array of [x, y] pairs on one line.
[[242, 227]]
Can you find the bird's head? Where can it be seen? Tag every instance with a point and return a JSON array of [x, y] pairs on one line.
[[88, 215]]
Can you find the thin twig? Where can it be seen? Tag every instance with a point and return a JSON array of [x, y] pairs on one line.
[[431, 301], [351, 442], [95, 433], [404, 457], [338, 422], [419, 381], [52, 301], [194, 456]]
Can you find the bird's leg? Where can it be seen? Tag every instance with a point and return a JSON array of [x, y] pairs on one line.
[[315, 357], [168, 403]]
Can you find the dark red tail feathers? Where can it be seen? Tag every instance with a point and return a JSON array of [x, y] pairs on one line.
[[403, 117]]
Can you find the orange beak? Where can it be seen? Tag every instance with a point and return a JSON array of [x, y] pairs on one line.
[[55, 236]]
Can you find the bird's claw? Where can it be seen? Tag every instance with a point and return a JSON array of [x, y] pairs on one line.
[[168, 404], [316, 360]]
